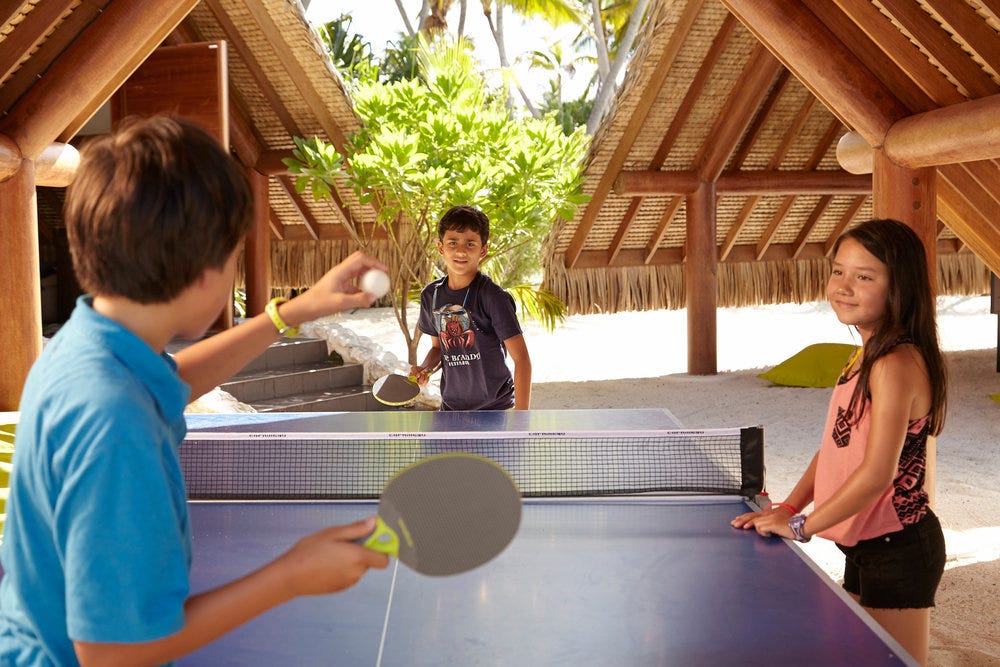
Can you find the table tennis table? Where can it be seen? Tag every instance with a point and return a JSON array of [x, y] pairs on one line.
[[619, 579]]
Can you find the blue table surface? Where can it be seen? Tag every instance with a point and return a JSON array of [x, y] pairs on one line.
[[613, 581]]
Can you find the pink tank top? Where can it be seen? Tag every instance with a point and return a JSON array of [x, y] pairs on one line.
[[842, 451]]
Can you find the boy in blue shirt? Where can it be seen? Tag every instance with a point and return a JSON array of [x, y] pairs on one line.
[[472, 323], [97, 543]]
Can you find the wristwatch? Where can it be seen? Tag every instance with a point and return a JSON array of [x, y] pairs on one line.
[[795, 524]]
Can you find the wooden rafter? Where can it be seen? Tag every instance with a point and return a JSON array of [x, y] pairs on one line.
[[776, 158], [275, 103], [965, 23], [803, 236], [877, 65], [910, 62], [669, 213], [749, 139], [277, 226], [842, 223], [90, 70], [741, 106], [752, 134], [37, 24], [290, 62], [677, 124], [32, 69], [769, 182], [821, 149], [823, 64], [941, 47], [636, 120], [307, 217]]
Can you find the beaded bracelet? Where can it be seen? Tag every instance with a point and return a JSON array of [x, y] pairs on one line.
[[790, 508]]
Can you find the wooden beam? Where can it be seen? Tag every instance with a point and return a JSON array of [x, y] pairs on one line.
[[295, 73], [968, 26], [963, 132], [653, 183], [955, 206], [277, 227], [304, 213], [803, 236], [677, 124], [669, 213], [941, 47], [776, 182], [30, 33], [914, 70], [760, 120], [772, 227], [741, 106], [966, 132], [823, 64], [842, 224], [257, 250], [635, 122], [701, 282], [619, 238], [29, 71], [89, 71], [21, 296], [270, 162]]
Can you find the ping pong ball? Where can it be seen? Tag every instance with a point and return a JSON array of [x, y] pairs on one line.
[[375, 281]]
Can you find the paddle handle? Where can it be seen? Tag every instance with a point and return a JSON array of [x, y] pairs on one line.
[[383, 539]]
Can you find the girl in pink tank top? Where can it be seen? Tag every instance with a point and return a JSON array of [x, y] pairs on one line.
[[866, 482]]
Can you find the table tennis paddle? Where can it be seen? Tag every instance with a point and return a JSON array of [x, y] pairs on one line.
[[447, 514], [395, 389]]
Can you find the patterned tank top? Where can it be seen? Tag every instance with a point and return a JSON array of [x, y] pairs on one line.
[[842, 451]]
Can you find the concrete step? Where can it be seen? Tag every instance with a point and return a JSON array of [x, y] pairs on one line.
[[289, 352], [345, 399], [259, 385]]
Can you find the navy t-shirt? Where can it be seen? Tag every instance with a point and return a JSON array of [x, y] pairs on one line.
[[471, 325]]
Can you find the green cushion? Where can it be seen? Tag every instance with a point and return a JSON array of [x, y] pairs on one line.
[[816, 365], [996, 397]]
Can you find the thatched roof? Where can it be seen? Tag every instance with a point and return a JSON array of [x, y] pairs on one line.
[[705, 101], [281, 85]]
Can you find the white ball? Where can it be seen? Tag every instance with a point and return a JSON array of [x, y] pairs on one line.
[[375, 281]]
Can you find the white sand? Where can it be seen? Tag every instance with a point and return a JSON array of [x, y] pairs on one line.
[[635, 360]]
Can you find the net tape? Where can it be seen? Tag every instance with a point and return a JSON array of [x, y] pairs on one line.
[[356, 466]]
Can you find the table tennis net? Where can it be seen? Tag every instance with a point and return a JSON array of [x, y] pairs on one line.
[[357, 466]]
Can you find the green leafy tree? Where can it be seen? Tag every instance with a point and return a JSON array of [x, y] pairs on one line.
[[446, 139]]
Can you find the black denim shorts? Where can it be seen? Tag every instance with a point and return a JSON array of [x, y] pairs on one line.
[[898, 570]]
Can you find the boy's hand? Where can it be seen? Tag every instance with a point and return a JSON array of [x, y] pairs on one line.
[[421, 373], [335, 292], [329, 561]]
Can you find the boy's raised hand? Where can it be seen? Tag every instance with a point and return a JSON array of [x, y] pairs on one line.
[[335, 292], [329, 561]]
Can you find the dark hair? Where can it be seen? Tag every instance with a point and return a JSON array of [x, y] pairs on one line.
[[461, 218], [909, 313], [151, 207]]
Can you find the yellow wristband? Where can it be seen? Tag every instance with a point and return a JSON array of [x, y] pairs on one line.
[[272, 311]]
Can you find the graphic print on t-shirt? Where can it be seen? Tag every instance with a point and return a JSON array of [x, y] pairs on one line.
[[454, 327]]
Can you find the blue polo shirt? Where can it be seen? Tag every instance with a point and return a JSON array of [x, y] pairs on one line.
[[96, 544]]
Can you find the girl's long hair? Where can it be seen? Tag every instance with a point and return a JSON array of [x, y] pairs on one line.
[[909, 312]]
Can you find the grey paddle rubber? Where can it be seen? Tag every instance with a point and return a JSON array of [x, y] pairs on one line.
[[395, 389], [451, 512]]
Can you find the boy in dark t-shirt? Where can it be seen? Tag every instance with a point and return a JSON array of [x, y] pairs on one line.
[[473, 324]]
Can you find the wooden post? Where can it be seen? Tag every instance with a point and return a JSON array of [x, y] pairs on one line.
[[257, 255], [21, 296], [701, 281], [910, 196]]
